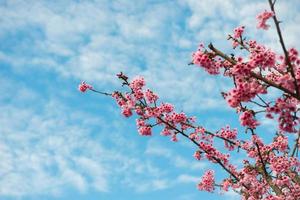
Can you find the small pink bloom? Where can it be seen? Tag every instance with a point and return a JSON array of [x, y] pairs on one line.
[[126, 111], [238, 31], [145, 130], [202, 59], [84, 86], [166, 132], [262, 19], [150, 96], [174, 138], [197, 155], [247, 119], [207, 182], [226, 185]]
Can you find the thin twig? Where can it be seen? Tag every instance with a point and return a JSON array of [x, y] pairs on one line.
[[296, 146], [104, 93]]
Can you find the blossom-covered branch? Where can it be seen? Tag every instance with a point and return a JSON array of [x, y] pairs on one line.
[[271, 170]]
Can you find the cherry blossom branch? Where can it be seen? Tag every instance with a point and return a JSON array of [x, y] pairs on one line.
[[265, 173], [143, 103], [264, 170], [198, 145], [217, 136], [253, 74], [286, 54]]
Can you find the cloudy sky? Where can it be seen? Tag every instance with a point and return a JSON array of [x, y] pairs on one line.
[[56, 143]]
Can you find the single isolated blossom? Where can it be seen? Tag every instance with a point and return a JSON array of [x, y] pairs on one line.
[[83, 86], [262, 19]]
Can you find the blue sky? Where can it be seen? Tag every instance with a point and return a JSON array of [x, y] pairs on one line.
[[56, 143]]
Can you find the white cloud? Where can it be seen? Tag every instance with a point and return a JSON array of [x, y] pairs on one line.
[[94, 41], [185, 178], [231, 195], [154, 148], [46, 150]]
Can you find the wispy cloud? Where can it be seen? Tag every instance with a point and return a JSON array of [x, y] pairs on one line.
[[51, 141], [154, 148], [47, 150]]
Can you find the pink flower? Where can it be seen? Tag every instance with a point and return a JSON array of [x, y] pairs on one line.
[[247, 119], [126, 111], [262, 19], [150, 96], [197, 155], [145, 130], [261, 56], [137, 83], [174, 138], [226, 184], [203, 60], [228, 134], [238, 31], [166, 132], [140, 122], [281, 143], [84, 86], [166, 107], [207, 182]]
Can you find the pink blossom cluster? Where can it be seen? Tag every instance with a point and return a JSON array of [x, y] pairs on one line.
[[280, 143], [197, 155], [283, 76], [199, 133], [247, 119], [262, 19], [260, 56], [294, 57], [226, 184], [143, 103], [242, 68], [136, 85], [285, 108], [230, 134], [212, 154], [206, 61], [150, 96], [238, 31], [243, 92], [280, 164], [207, 181], [84, 86], [237, 35]]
